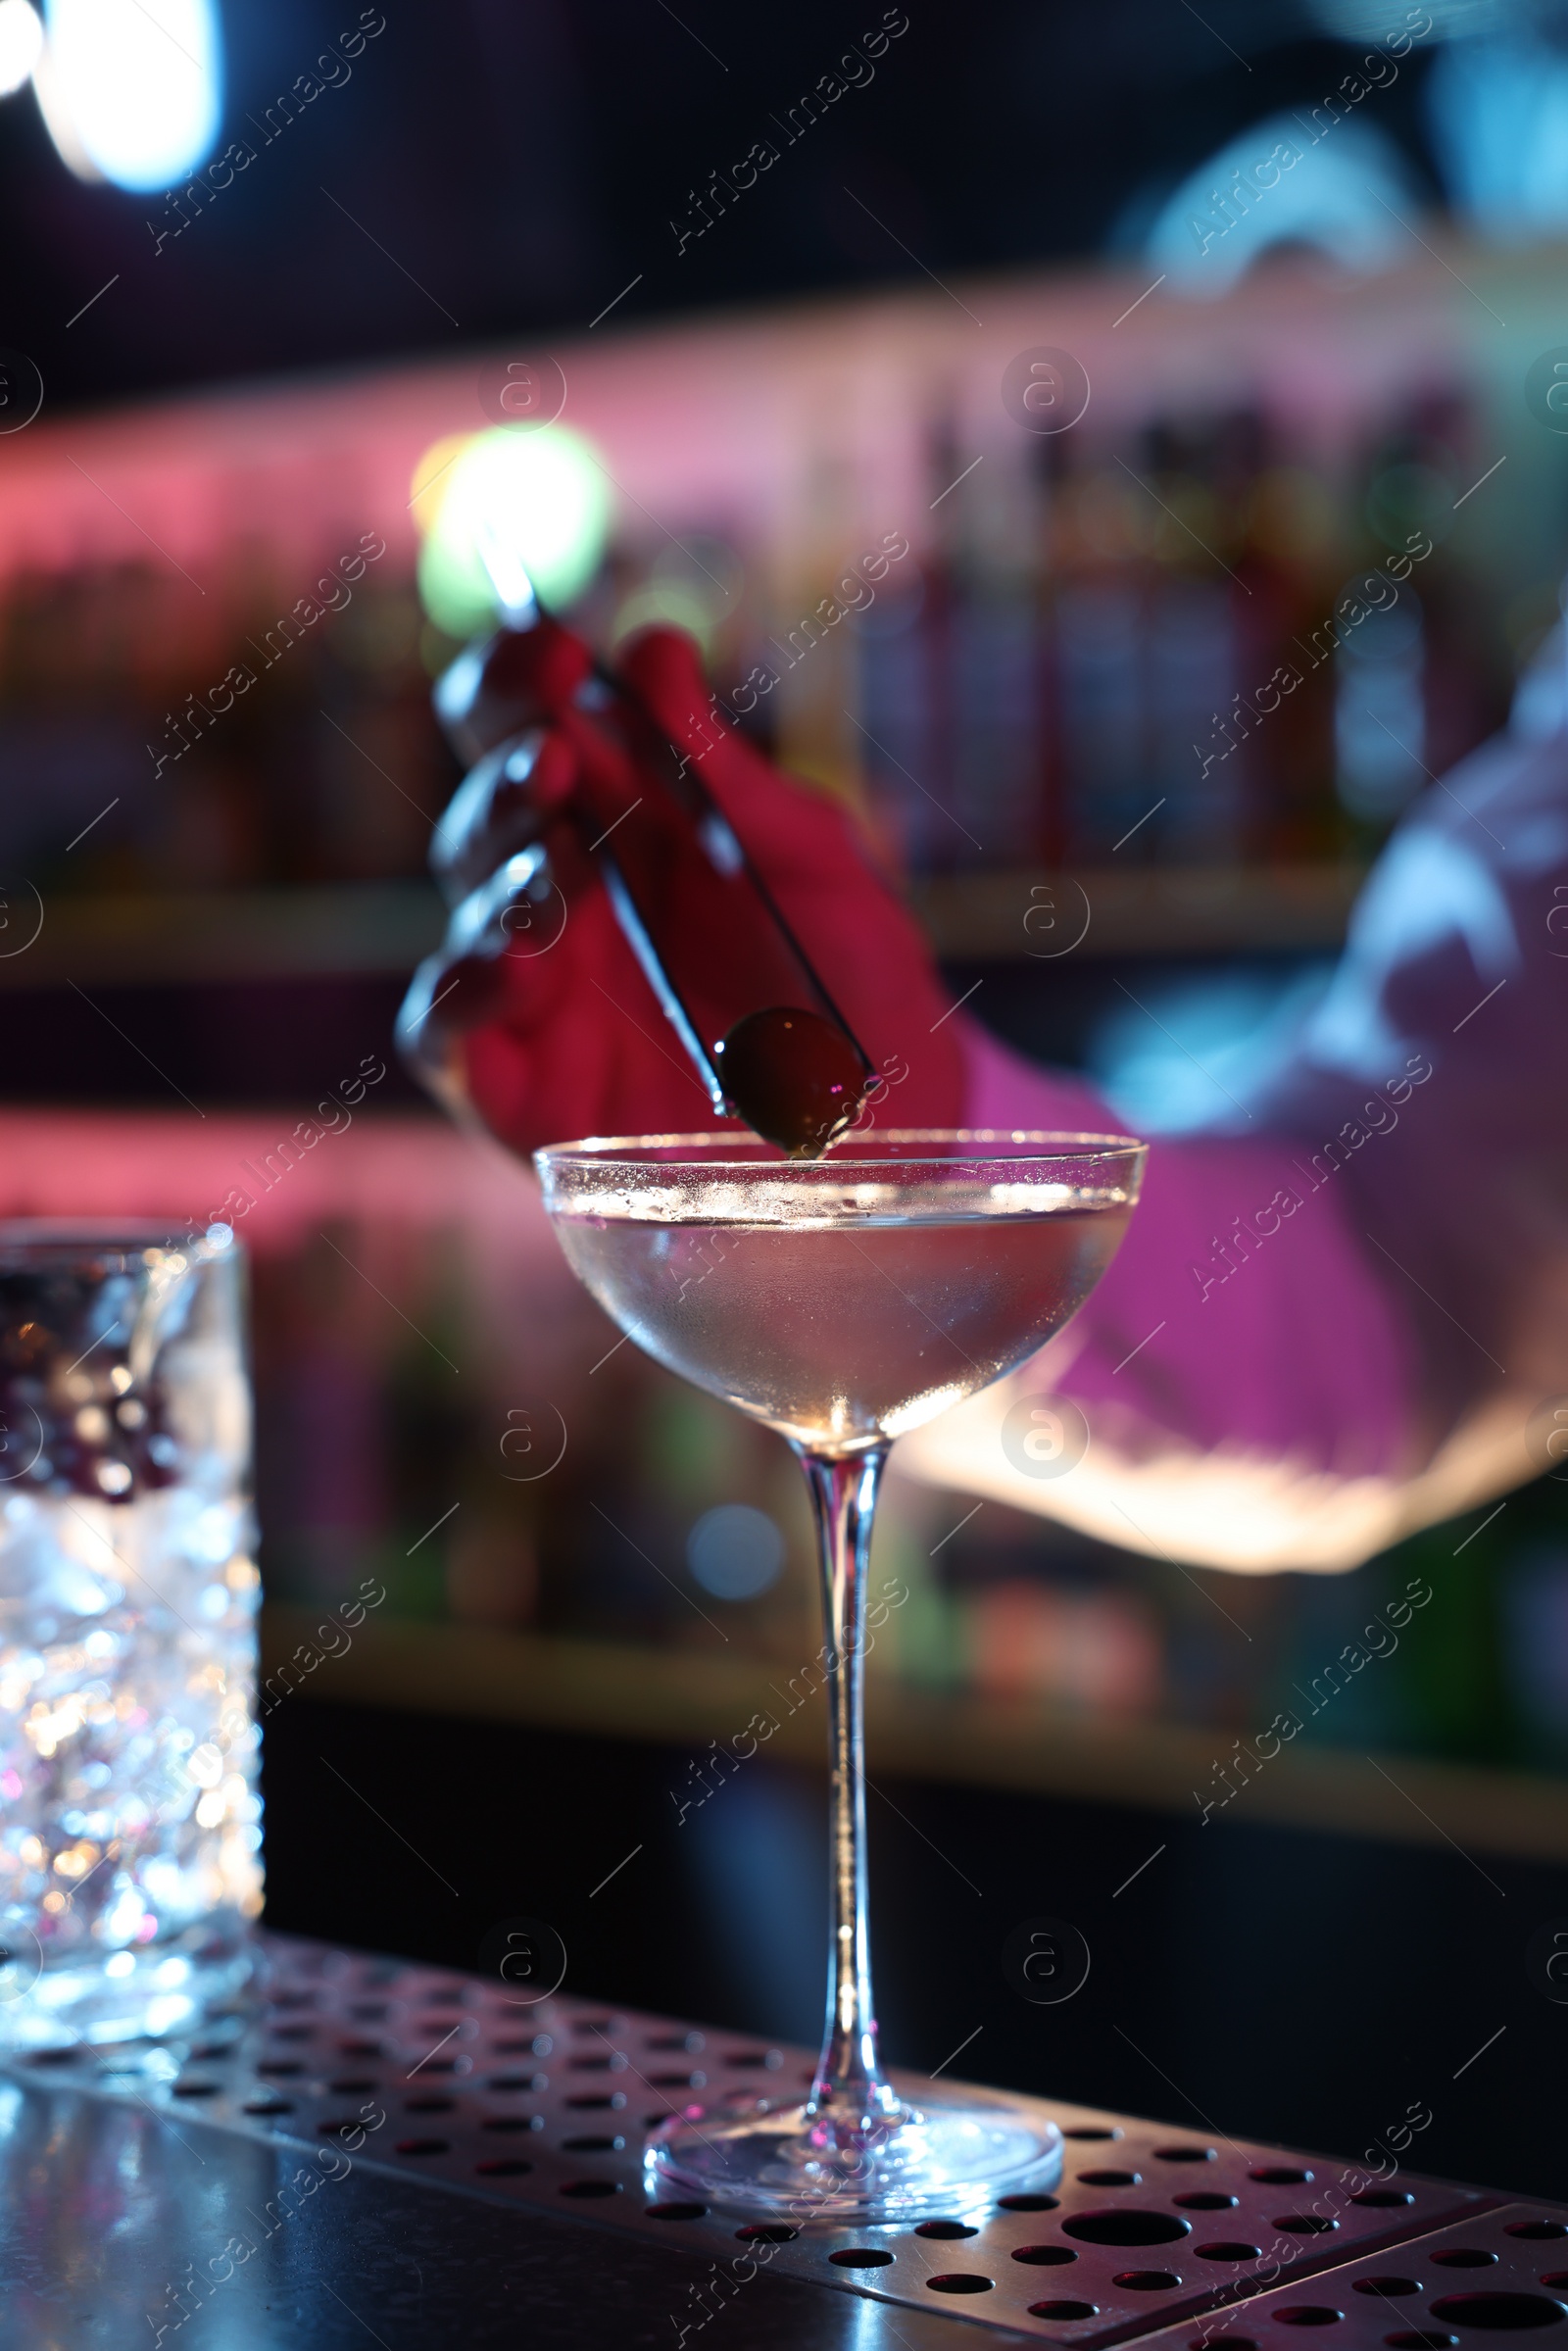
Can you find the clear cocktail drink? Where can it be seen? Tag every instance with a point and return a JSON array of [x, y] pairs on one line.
[[841, 1330], [843, 1302]]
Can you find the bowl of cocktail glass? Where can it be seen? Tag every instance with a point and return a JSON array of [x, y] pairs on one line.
[[843, 1302]]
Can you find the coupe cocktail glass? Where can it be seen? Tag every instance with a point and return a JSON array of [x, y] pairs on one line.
[[843, 1302]]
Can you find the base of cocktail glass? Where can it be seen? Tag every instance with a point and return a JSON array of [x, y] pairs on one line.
[[923, 2159]]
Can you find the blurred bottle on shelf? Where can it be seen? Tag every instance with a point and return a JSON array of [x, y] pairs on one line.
[[1113, 642]]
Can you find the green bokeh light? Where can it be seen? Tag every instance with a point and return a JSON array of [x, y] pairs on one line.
[[542, 495]]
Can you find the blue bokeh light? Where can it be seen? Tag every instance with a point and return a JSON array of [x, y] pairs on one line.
[[142, 85], [735, 1552]]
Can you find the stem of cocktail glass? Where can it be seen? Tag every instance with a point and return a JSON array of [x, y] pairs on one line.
[[849, 2084]]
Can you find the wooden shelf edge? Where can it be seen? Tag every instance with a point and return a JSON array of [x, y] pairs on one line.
[[186, 938], [1136, 910], [616, 1690], [191, 936]]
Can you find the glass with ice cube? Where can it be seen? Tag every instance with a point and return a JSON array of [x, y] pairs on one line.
[[129, 1823]]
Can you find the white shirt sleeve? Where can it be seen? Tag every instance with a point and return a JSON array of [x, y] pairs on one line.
[[1341, 1311]]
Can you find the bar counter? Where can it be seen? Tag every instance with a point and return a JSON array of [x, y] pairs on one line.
[[387, 2150]]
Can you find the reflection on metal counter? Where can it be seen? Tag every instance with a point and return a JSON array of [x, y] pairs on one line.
[[287, 2212]]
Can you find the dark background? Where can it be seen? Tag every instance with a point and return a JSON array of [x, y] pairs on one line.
[[1289, 1986], [520, 164]]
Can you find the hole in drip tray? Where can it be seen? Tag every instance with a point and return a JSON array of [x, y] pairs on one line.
[[1387, 2289], [1535, 2231], [1110, 2178], [860, 2257], [1206, 2199], [960, 2281], [1383, 2199], [1043, 2257], [1228, 2251], [1465, 2257], [1112, 2227], [946, 2229], [1027, 2203], [1421, 2339], [590, 2187], [1147, 2281], [1309, 2314], [1281, 2175], [1307, 2224], [503, 2166], [1184, 2154], [405, 2147], [1065, 2310], [1513, 2312], [767, 2233], [676, 2212], [1092, 2130]]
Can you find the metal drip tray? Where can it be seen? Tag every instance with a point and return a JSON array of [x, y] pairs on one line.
[[438, 2076], [1503, 2272]]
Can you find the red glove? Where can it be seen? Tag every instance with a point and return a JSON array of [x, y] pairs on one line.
[[535, 1016]]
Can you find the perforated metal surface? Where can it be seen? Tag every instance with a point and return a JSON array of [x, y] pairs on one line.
[[441, 2077], [1501, 2272]]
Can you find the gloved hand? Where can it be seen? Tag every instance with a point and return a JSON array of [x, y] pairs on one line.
[[535, 1016]]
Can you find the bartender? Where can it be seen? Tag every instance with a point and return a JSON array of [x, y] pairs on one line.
[[1341, 1313]]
